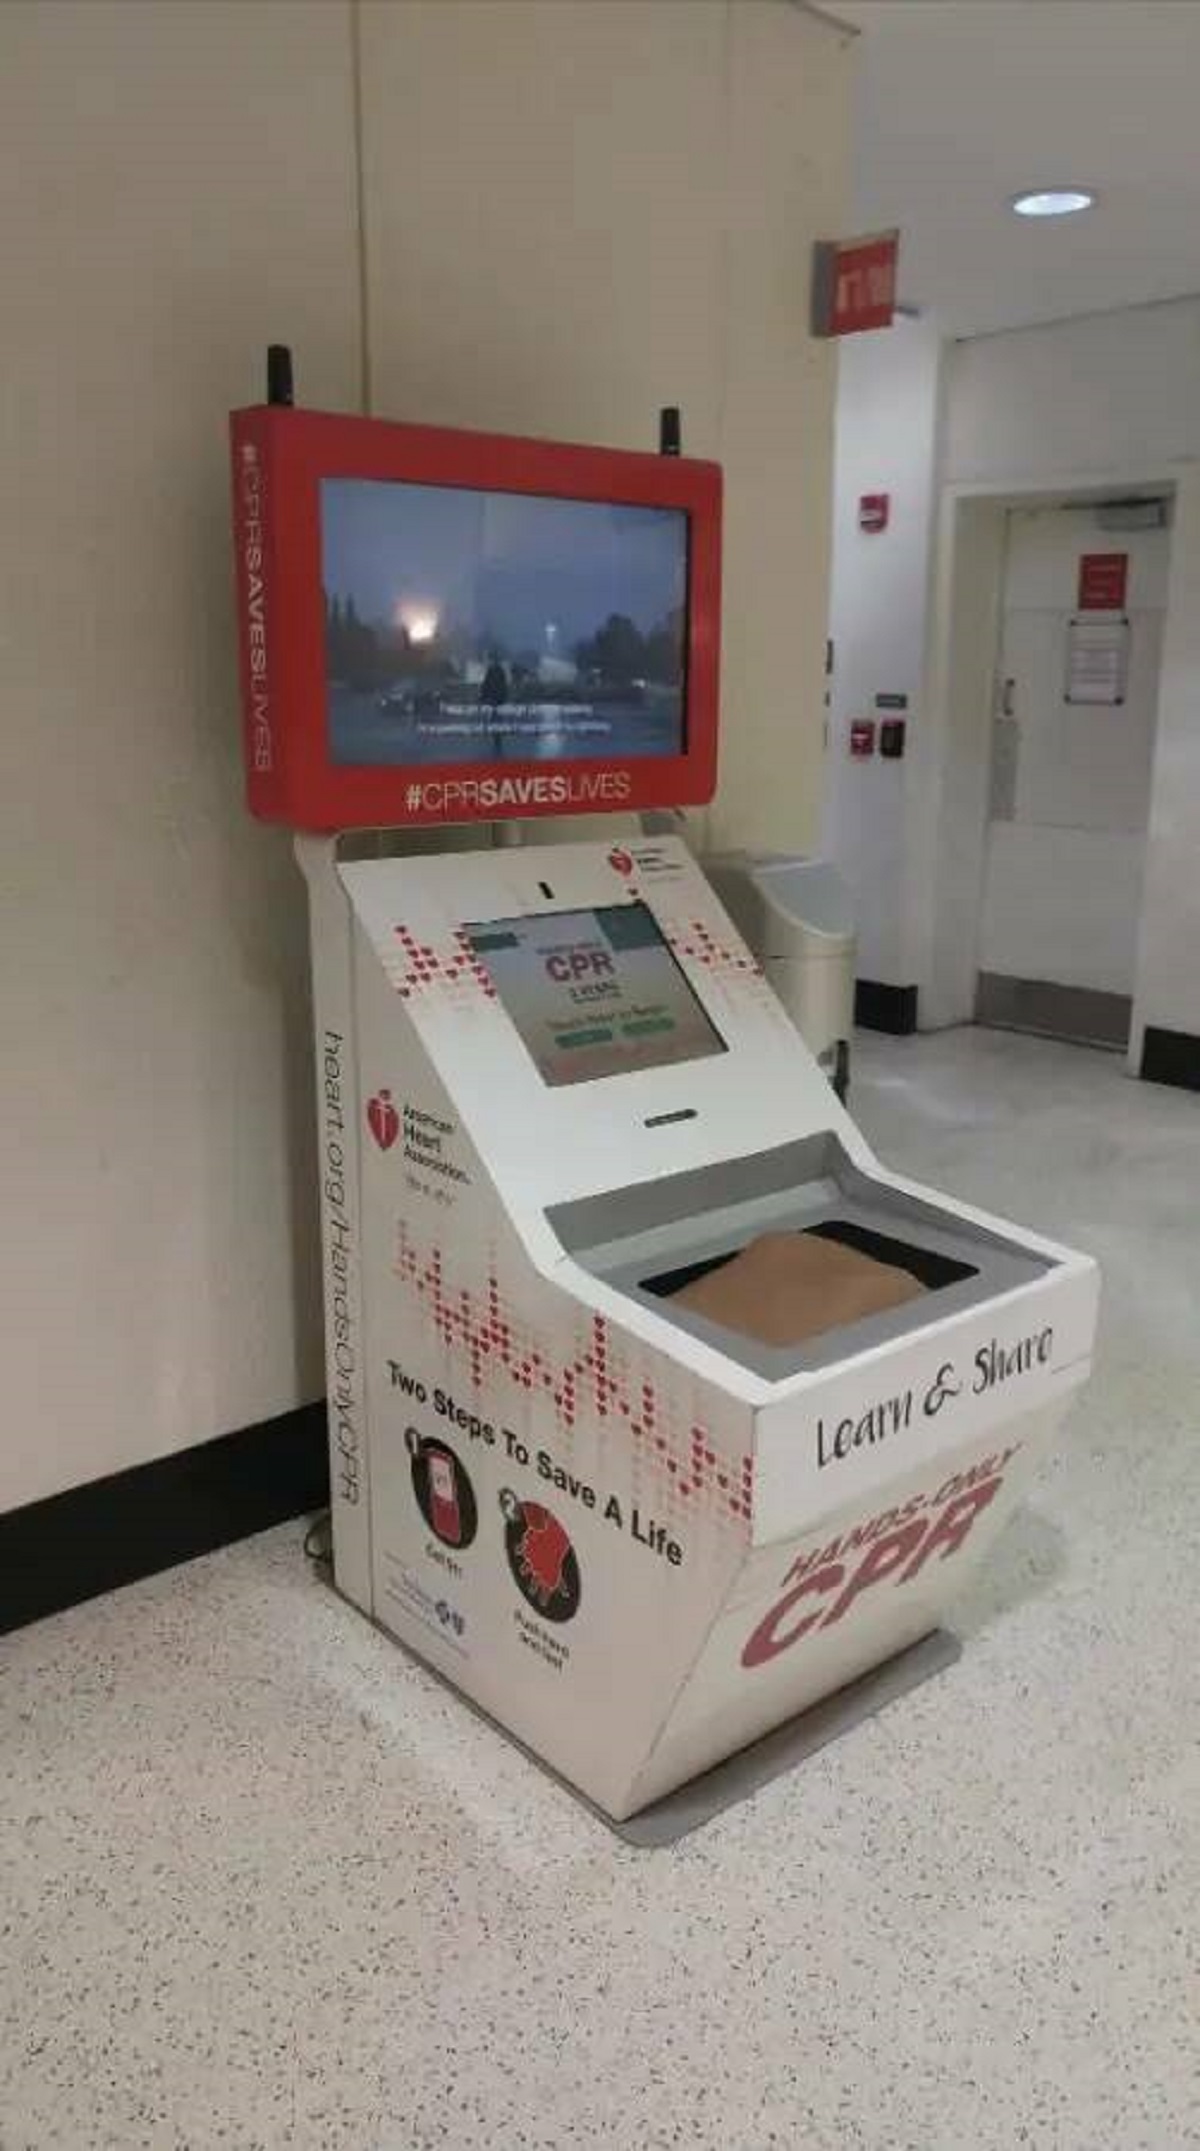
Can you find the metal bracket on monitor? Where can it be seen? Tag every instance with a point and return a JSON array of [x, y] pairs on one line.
[[280, 376]]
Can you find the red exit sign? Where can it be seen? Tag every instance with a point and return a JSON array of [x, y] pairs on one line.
[[854, 284]]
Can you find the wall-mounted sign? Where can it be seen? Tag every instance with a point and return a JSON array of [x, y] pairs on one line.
[[874, 510], [1097, 662], [1103, 582], [854, 284], [862, 738], [891, 702]]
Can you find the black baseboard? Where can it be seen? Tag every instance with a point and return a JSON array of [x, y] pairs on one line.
[[885, 1008], [1170, 1057], [55, 1553]]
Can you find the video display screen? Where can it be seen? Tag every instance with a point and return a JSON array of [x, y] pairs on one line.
[[594, 993], [469, 627]]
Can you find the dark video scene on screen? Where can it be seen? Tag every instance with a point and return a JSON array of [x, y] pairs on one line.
[[465, 626]]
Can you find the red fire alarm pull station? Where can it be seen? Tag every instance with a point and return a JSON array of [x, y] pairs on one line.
[[862, 738], [874, 510]]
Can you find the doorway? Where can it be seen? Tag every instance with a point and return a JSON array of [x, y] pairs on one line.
[[1071, 749]]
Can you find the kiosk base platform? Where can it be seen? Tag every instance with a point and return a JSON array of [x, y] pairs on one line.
[[737, 1777], [700, 1801]]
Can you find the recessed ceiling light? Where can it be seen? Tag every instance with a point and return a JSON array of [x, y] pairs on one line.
[[1053, 202]]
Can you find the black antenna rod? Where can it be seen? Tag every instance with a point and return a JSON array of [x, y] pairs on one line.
[[280, 387], [670, 431]]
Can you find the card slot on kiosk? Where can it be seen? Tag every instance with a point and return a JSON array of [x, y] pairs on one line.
[[658, 1408]]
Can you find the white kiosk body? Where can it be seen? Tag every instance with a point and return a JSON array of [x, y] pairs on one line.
[[552, 1082]]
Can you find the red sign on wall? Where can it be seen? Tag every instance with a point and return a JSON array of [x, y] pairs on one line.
[[1103, 582], [854, 284]]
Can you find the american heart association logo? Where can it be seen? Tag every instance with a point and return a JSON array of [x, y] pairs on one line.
[[621, 859], [382, 1119]]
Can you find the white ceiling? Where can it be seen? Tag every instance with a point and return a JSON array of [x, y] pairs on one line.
[[962, 103]]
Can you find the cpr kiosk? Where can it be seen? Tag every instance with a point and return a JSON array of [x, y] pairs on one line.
[[659, 1410]]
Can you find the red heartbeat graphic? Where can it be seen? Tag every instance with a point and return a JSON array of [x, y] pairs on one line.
[[702, 948], [427, 966], [487, 1338]]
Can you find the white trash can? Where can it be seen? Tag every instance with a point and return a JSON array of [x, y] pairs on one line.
[[798, 918]]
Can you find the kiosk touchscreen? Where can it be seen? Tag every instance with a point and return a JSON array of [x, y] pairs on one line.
[[659, 1410], [594, 993]]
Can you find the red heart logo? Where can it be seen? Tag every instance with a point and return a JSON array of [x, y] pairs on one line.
[[621, 859], [382, 1119]]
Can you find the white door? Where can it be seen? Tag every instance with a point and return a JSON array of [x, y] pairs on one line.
[[1070, 780]]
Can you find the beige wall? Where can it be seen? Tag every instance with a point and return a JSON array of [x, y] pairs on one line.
[[176, 187], [579, 210], [576, 210]]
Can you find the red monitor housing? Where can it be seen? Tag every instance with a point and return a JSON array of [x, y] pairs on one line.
[[434, 752]]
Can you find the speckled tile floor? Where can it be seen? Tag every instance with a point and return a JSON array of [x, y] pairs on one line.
[[265, 1883]]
